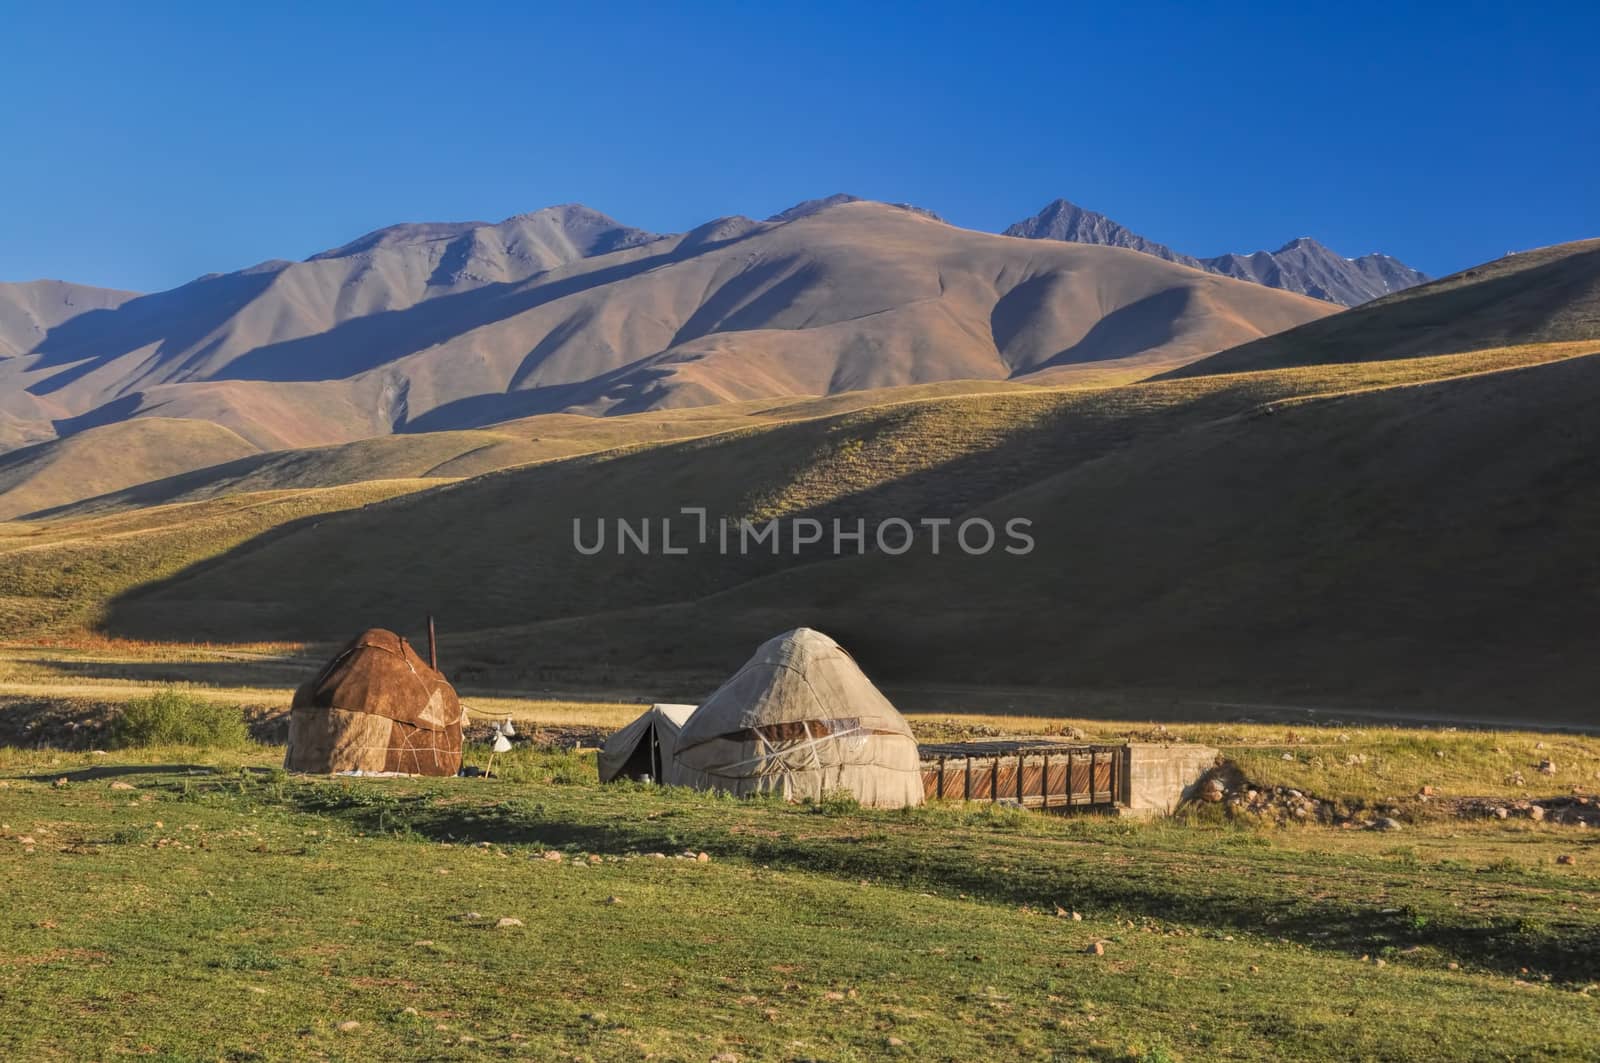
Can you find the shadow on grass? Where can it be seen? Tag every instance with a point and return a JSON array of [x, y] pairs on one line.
[[115, 771], [1264, 902]]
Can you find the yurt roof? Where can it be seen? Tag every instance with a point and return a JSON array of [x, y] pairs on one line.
[[793, 678]]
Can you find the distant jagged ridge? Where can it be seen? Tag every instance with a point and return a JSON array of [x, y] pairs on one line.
[[1302, 265]]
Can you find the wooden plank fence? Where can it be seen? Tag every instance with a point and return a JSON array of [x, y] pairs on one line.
[[1063, 778]]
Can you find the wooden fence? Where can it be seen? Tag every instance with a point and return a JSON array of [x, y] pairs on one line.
[[1068, 777]]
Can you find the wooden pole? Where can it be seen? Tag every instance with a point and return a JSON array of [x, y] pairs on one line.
[[433, 646]]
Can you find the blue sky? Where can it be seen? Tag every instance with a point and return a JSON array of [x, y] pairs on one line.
[[147, 144]]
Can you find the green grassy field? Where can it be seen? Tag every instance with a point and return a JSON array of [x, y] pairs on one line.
[[359, 919]]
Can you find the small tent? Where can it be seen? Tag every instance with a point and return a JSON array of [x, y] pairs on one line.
[[645, 748], [376, 707], [801, 719]]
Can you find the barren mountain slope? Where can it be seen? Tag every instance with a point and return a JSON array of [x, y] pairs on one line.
[[30, 309], [364, 340]]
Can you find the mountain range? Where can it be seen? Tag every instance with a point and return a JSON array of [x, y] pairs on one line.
[[1302, 265], [447, 326]]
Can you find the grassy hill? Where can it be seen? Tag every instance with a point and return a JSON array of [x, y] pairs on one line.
[[59, 575], [140, 452], [1355, 533], [110, 458], [1549, 295]]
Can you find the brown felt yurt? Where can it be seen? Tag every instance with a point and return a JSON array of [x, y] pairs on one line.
[[376, 707], [802, 720]]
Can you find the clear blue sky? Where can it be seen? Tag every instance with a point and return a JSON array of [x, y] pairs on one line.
[[144, 144]]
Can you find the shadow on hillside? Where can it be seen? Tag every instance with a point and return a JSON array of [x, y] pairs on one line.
[[1233, 574], [362, 343], [1506, 944], [172, 319], [1056, 435]]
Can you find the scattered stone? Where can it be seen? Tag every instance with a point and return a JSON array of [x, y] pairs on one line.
[[894, 1042], [471, 917], [59, 783], [1500, 812], [1098, 948], [1212, 791], [595, 859], [1426, 791], [506, 922], [1547, 767], [656, 856], [1536, 813], [553, 855], [704, 858], [1386, 823], [120, 785], [1566, 858], [1453, 965], [410, 1011], [1288, 756], [613, 900], [349, 1026]]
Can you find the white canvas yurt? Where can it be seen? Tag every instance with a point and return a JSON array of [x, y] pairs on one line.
[[800, 719], [645, 748]]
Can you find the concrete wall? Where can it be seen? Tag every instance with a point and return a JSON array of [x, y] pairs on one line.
[[1157, 778]]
